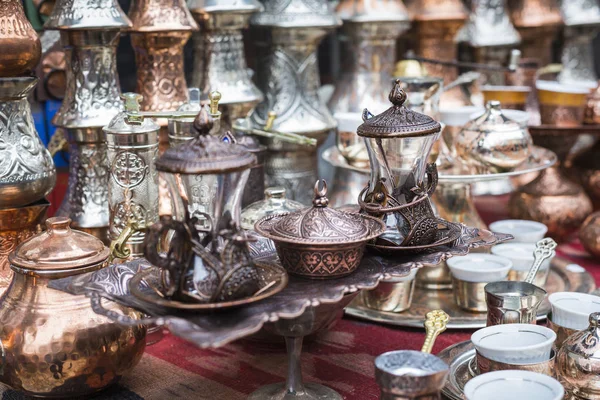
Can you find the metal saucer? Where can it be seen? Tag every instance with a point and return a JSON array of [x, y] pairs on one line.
[[448, 232], [145, 286]]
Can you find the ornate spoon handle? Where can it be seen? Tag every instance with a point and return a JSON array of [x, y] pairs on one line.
[[543, 249], [435, 323]]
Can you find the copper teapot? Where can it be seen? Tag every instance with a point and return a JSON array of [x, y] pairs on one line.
[[52, 343]]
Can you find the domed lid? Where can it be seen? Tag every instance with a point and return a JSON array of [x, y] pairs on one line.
[[397, 121], [275, 202], [205, 154], [372, 11], [585, 343], [320, 224], [59, 248], [493, 120], [119, 125]]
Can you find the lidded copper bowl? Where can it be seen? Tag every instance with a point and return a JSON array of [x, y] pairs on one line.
[[320, 242]]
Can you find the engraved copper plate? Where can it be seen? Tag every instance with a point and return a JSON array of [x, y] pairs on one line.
[[146, 286], [564, 276]]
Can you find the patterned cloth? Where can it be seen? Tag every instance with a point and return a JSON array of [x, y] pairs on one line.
[[341, 359]]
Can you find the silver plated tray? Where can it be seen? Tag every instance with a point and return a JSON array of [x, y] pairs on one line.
[[219, 328], [458, 357], [564, 276], [539, 159]]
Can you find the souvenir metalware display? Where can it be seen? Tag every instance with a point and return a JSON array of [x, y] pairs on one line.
[[563, 276], [220, 61], [207, 177], [552, 198], [133, 184], [434, 25], [578, 360], [181, 129], [414, 375], [159, 31], [581, 19], [275, 202], [92, 99], [300, 303], [320, 242], [29, 311], [538, 23], [399, 141], [21, 48], [288, 33], [488, 36]]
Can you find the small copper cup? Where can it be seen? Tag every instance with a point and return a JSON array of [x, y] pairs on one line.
[[485, 365], [393, 295], [469, 296], [561, 105], [562, 333]]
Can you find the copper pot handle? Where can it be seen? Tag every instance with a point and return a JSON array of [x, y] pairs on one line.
[[432, 178]]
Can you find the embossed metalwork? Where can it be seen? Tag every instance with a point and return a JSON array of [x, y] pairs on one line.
[[578, 361], [220, 62], [133, 183], [492, 142], [552, 198], [27, 172], [159, 31], [577, 55], [20, 48], [589, 234], [371, 32], [561, 278], [17, 225], [320, 242], [30, 313], [87, 14]]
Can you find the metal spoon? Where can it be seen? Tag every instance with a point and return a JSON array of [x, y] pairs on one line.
[[544, 249]]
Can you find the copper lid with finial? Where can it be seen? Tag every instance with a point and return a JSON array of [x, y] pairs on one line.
[[397, 121], [205, 154]]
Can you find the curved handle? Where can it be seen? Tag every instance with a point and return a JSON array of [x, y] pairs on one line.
[[57, 142], [118, 247], [432, 178], [98, 308]]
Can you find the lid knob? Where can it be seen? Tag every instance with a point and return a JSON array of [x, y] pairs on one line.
[[493, 105], [595, 319], [132, 101], [320, 200], [277, 192], [203, 123], [397, 95], [214, 98], [58, 225]]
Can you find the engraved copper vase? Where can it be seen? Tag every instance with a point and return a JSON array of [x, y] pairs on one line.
[[589, 234], [92, 99], [20, 48], [551, 198], [159, 31], [53, 344], [538, 23]]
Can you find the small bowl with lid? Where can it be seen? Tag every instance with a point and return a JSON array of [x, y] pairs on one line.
[[320, 242]]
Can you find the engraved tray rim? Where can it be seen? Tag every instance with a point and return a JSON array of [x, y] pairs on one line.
[[558, 266]]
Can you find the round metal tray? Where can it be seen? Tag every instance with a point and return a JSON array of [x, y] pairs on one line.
[[564, 276]]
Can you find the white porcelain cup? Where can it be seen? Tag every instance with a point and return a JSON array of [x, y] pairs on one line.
[[514, 343], [479, 267], [521, 256], [523, 231], [513, 385], [572, 310]]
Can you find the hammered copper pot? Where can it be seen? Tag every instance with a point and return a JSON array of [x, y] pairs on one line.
[[53, 344], [586, 169], [589, 234], [20, 48], [552, 198]]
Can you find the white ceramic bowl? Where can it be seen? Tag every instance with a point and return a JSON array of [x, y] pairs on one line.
[[515, 343], [513, 385], [521, 255], [478, 267], [572, 310], [524, 231]]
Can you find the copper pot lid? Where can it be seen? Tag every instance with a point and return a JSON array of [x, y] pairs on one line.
[[59, 248], [205, 154], [397, 121], [119, 126], [320, 224]]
